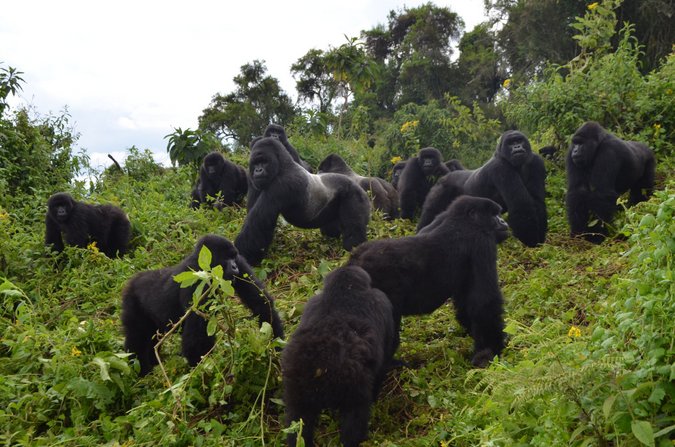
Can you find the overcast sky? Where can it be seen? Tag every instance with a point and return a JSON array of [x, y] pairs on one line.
[[132, 71]]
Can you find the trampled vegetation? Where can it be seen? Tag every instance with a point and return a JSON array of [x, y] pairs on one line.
[[590, 358]]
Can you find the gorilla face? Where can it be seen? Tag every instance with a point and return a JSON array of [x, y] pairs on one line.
[[585, 142], [213, 163], [486, 214], [515, 147], [429, 159], [275, 131], [223, 253], [264, 166], [60, 206]]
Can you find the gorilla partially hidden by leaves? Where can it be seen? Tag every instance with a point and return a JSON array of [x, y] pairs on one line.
[[385, 196], [600, 168], [278, 132], [455, 256], [514, 178], [79, 224], [221, 182], [152, 301], [418, 176], [279, 186], [338, 356]]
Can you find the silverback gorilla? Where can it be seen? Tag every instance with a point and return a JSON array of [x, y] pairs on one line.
[[79, 224], [278, 132], [221, 182], [601, 167], [332, 202], [152, 300], [385, 196], [514, 178], [455, 256], [418, 176], [338, 356]]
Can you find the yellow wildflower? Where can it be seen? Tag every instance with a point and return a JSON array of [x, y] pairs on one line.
[[592, 6], [3, 215], [395, 159], [93, 247], [409, 126], [657, 126], [75, 352], [506, 83], [574, 332]]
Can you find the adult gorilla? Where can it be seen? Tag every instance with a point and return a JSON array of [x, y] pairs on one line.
[[385, 197], [79, 224], [455, 256], [221, 182], [338, 356], [278, 132], [601, 167], [418, 176], [332, 202], [396, 173], [514, 178], [152, 300]]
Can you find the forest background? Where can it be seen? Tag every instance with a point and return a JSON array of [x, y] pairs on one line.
[[591, 349]]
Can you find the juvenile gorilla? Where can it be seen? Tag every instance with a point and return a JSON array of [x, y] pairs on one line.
[[601, 167], [80, 224], [454, 165], [455, 256], [514, 178], [385, 196], [338, 356], [221, 182], [418, 176], [332, 202], [396, 173], [278, 132], [152, 300]]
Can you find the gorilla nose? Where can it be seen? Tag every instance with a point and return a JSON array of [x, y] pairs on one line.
[[234, 267]]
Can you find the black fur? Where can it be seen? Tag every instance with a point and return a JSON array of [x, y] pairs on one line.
[[278, 132], [396, 173], [152, 300], [79, 224], [455, 256], [514, 178], [454, 165], [332, 202], [600, 168], [385, 196], [339, 355], [418, 176], [221, 182], [549, 152]]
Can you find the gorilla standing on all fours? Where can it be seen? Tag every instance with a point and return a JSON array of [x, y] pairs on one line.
[[152, 300], [418, 176], [79, 224], [455, 256], [278, 132], [338, 356], [396, 173], [332, 202], [601, 167], [221, 182], [385, 197], [514, 178]]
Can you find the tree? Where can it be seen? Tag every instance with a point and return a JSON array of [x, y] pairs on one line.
[[188, 146], [256, 102], [10, 84], [314, 80]]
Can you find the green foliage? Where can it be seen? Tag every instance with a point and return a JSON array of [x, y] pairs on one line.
[[10, 84], [189, 147]]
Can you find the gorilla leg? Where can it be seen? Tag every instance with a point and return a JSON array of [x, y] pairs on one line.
[[644, 187], [196, 343], [309, 418], [354, 425], [354, 215], [578, 211], [331, 229], [139, 330]]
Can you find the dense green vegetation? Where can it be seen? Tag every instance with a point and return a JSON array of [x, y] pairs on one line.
[[591, 354]]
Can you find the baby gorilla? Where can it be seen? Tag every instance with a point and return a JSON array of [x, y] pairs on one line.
[[338, 356], [79, 224], [152, 300]]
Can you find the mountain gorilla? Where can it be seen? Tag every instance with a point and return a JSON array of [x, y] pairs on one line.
[[221, 182], [152, 300], [454, 165], [338, 356], [601, 167], [418, 176], [455, 256], [385, 197], [332, 202], [548, 152], [396, 173], [514, 178], [79, 224], [278, 132]]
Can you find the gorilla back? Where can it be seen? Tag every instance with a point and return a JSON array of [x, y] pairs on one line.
[[332, 202]]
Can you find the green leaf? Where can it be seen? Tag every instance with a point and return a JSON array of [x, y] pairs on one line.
[[607, 406], [211, 326], [643, 431], [186, 279], [658, 393], [103, 368], [204, 260]]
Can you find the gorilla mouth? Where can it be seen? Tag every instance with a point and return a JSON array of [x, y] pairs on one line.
[[518, 151]]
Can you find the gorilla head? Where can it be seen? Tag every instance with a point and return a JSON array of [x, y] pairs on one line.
[[276, 131], [213, 164], [396, 172], [514, 147], [265, 164], [585, 142], [60, 206], [429, 160]]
